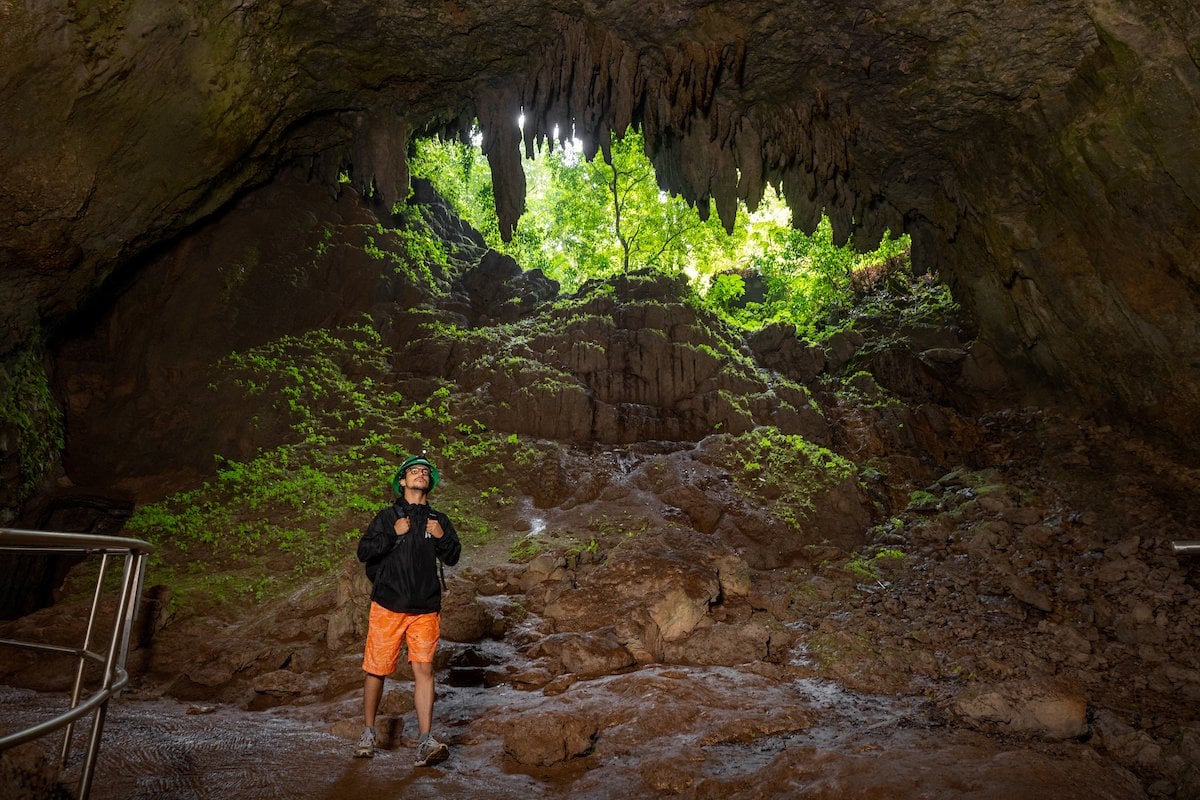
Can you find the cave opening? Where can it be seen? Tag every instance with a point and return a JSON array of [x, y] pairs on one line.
[[591, 215]]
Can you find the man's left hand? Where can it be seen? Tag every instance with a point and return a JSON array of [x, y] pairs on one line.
[[434, 529]]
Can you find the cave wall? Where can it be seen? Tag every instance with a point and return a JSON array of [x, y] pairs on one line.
[[1042, 155]]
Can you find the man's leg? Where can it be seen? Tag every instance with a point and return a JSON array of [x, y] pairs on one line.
[[384, 631], [422, 645], [372, 695], [423, 695], [429, 750]]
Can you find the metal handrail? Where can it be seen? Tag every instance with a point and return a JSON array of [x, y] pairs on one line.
[[1186, 546], [133, 552]]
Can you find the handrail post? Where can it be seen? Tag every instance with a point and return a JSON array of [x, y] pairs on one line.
[[82, 660], [115, 642], [131, 608]]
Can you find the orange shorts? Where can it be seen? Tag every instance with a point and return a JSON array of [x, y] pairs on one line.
[[388, 630]]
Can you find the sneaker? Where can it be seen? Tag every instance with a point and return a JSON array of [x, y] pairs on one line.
[[366, 744], [430, 751]]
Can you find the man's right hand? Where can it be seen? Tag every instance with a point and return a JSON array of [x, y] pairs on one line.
[[402, 526]]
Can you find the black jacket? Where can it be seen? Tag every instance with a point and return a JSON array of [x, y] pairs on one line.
[[404, 568]]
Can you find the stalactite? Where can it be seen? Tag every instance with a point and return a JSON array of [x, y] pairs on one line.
[[627, 89], [800, 191], [666, 154], [749, 158], [591, 84], [378, 156], [498, 113], [875, 216], [839, 208], [325, 167]]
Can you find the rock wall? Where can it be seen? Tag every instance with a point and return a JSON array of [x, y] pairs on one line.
[[1042, 157]]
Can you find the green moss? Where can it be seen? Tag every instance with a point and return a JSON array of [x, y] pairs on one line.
[[411, 248], [735, 401], [475, 523], [862, 390], [590, 548], [787, 473], [486, 456], [526, 549], [435, 328], [303, 500], [922, 500], [867, 564]]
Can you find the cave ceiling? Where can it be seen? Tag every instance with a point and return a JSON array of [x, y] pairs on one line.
[[1043, 156]]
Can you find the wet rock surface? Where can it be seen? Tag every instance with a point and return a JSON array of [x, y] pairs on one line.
[[659, 732]]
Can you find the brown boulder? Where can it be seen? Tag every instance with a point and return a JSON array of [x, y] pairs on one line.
[[587, 654], [550, 738], [650, 593], [1025, 708], [777, 347], [464, 618], [724, 644]]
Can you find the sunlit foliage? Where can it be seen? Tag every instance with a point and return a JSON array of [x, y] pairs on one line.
[[587, 219]]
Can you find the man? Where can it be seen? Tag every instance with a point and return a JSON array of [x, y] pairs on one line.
[[401, 548]]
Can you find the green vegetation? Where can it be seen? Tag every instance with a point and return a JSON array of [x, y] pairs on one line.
[[28, 408], [868, 564], [922, 500], [526, 549], [309, 379], [295, 510], [766, 453], [786, 472], [589, 219], [410, 247], [415, 250], [886, 308], [589, 548]]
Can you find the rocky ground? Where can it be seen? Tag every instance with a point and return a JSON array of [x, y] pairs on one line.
[[1025, 624]]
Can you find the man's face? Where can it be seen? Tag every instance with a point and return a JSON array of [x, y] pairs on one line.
[[416, 478]]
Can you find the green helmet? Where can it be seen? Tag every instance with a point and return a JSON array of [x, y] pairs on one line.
[[409, 463]]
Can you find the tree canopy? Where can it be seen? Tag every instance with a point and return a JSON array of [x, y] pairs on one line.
[[592, 218]]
